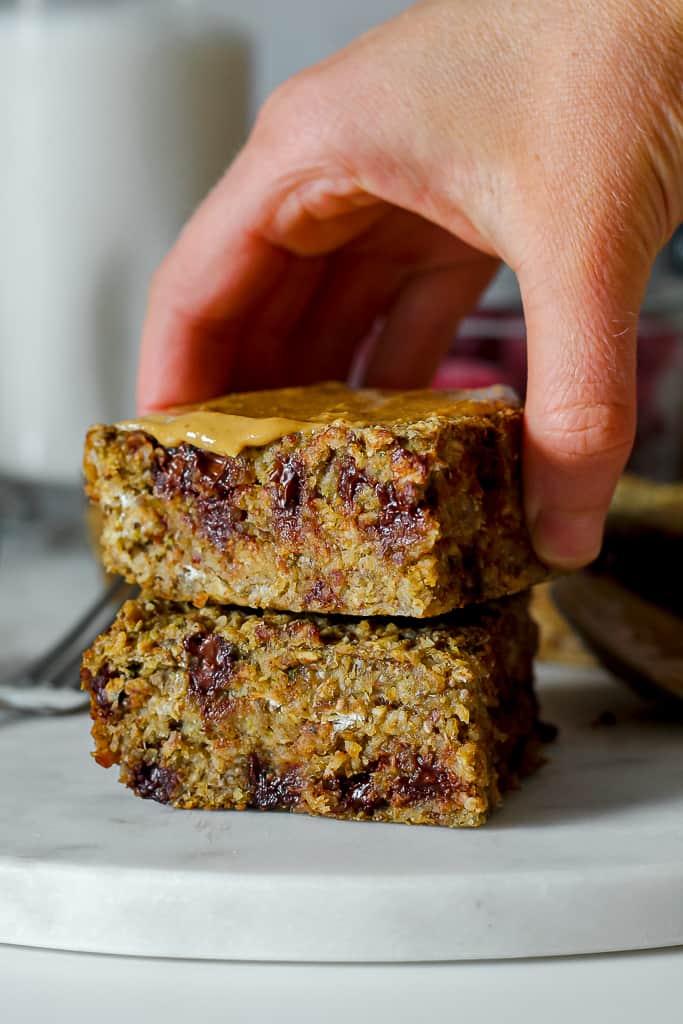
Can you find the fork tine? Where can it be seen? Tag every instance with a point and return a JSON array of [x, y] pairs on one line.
[[96, 620], [58, 679], [14, 693], [48, 663], [14, 704], [67, 677], [73, 636]]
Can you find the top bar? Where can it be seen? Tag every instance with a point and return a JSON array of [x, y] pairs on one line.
[[319, 499]]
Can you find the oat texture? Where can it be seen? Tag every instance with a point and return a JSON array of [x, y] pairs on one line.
[[415, 722]]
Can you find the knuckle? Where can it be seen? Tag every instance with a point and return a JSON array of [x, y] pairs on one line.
[[158, 284], [589, 430], [167, 284], [303, 117], [285, 106], [170, 291]]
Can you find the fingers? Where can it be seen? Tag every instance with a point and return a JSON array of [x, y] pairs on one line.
[[262, 358], [581, 398], [350, 296], [360, 283], [421, 325], [240, 279]]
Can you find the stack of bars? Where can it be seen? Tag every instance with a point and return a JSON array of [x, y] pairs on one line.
[[333, 617]]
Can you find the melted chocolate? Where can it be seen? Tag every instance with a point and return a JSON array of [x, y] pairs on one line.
[[219, 520], [269, 790], [351, 479], [188, 470], [419, 780], [153, 782], [357, 793], [400, 522], [97, 686], [286, 476], [401, 519], [211, 668], [288, 491], [214, 482]]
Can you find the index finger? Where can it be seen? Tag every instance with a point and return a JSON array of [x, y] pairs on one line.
[[580, 410]]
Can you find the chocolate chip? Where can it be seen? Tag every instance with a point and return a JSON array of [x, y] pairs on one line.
[[187, 470], [211, 466], [358, 793], [154, 782], [270, 790], [286, 476], [406, 779], [286, 480], [214, 482], [219, 520], [173, 470], [97, 685], [211, 667], [351, 479], [400, 522], [421, 778], [418, 779]]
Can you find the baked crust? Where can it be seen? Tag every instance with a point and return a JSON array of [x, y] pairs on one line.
[[422, 723]]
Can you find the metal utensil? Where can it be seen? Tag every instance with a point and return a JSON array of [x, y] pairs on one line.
[[50, 685], [637, 640]]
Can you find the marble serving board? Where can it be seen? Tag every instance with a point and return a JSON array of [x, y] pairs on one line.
[[586, 857]]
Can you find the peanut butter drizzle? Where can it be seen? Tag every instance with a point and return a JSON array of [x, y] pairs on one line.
[[216, 432], [229, 424]]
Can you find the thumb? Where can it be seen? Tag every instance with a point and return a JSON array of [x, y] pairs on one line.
[[580, 412]]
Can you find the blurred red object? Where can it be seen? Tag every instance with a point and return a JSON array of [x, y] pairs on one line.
[[455, 372], [491, 349]]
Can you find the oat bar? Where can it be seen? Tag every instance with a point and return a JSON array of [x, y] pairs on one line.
[[319, 499], [422, 723]]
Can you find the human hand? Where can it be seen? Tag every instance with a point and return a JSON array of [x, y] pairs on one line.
[[389, 179]]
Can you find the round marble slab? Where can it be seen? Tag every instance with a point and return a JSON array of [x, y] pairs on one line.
[[587, 857]]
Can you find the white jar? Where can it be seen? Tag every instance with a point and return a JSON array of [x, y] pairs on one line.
[[115, 119]]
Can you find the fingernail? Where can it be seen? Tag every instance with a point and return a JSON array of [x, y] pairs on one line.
[[567, 541]]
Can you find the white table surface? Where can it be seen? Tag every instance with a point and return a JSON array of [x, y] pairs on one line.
[[68, 988]]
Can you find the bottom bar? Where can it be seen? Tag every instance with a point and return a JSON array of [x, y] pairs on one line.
[[389, 720]]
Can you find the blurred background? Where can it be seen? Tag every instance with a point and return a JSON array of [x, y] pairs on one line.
[[117, 116]]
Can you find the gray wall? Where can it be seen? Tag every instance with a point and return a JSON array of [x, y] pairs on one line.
[[287, 35]]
